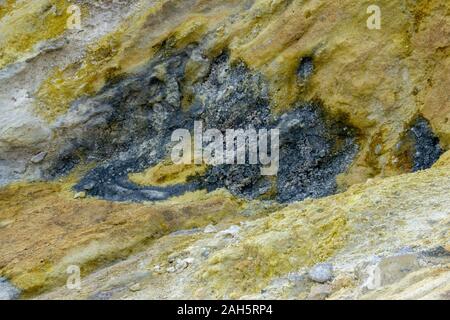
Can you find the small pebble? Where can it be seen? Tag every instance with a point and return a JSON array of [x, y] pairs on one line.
[[157, 269], [38, 158], [205, 253]]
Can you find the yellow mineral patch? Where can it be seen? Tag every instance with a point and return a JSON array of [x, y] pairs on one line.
[[77, 80], [190, 31], [164, 174], [6, 7], [26, 24]]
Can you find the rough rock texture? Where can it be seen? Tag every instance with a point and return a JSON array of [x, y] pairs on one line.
[[85, 173], [385, 239], [427, 149], [379, 80], [322, 272]]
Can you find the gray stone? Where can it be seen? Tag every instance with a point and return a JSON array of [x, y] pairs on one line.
[[89, 186], [180, 265], [321, 273], [305, 68], [171, 269], [39, 157], [157, 269], [205, 252]]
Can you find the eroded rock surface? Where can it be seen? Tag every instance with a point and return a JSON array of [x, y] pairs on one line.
[[131, 122], [87, 116]]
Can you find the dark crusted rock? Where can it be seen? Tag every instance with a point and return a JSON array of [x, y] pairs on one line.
[[437, 252], [241, 180], [232, 98], [305, 68], [313, 151], [427, 149], [127, 127], [135, 133]]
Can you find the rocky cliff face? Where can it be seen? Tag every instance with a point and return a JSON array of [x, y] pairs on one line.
[[358, 209]]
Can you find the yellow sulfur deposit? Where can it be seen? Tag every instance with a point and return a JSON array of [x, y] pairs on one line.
[[166, 174], [26, 24]]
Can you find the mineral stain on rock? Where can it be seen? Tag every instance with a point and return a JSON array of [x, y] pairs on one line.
[[427, 149], [131, 121]]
